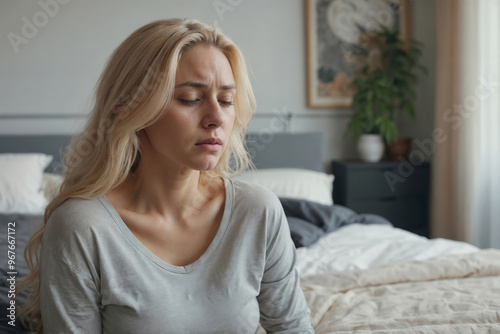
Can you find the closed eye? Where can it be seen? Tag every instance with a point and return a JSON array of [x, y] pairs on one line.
[[189, 102], [226, 103]]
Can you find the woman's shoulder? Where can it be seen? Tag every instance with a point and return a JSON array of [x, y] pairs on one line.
[[253, 191], [77, 216], [76, 234], [79, 209], [258, 207], [254, 195]]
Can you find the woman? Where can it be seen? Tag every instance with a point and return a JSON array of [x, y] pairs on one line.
[[148, 233]]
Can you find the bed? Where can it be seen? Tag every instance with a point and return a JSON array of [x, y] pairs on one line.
[[359, 274]]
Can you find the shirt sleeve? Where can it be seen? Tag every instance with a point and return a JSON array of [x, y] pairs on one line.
[[69, 300], [283, 308]]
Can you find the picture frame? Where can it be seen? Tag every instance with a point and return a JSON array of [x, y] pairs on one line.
[[334, 53]]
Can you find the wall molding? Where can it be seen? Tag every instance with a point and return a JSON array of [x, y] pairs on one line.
[[41, 116], [337, 113]]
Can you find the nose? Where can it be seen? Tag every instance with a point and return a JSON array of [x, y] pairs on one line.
[[213, 116]]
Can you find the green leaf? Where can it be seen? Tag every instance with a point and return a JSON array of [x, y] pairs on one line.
[[411, 110]]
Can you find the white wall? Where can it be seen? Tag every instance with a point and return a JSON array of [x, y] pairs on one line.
[[54, 73]]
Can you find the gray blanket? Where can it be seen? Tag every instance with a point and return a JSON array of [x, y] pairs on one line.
[[309, 221]]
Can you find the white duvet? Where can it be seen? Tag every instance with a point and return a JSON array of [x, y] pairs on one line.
[[378, 279], [363, 246], [446, 294]]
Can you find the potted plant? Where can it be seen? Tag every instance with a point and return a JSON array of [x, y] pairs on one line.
[[384, 87]]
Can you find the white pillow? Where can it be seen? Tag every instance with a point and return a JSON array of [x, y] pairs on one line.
[[293, 183], [20, 181]]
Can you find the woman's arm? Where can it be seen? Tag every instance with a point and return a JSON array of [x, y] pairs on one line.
[[69, 299], [282, 304]]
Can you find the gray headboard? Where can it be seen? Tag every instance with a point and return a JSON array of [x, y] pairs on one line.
[[268, 150], [286, 150]]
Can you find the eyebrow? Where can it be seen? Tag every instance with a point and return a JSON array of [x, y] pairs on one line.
[[202, 85]]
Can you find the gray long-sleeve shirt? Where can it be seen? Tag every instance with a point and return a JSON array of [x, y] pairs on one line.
[[97, 277]]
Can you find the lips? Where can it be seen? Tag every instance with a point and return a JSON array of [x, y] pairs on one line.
[[210, 144], [211, 141]]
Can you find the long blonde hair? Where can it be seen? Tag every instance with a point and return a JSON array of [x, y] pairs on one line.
[[135, 87]]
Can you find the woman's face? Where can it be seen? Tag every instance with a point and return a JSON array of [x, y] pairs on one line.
[[194, 131]]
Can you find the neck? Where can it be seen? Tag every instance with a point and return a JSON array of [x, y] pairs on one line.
[[168, 192]]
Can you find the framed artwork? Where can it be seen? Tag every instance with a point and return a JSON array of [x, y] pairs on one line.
[[338, 46]]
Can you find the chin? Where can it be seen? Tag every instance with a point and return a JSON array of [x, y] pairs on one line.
[[206, 165]]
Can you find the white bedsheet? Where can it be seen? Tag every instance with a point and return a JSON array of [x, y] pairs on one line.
[[364, 246]]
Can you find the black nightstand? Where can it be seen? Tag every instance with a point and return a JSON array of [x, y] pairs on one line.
[[398, 191]]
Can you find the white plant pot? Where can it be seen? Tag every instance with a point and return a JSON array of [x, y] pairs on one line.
[[371, 148]]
